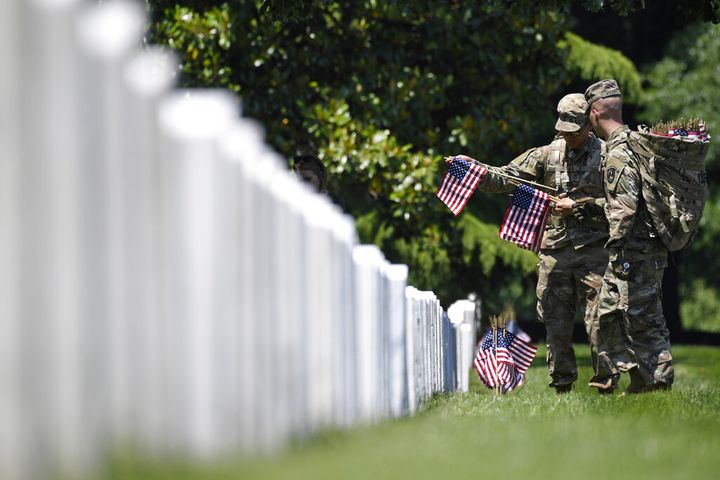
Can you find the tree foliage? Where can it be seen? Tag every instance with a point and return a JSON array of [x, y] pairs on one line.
[[590, 61], [380, 90], [706, 10]]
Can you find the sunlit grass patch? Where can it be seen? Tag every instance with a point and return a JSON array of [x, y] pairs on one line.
[[534, 433]]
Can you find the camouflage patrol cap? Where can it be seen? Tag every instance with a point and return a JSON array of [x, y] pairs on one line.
[[572, 113], [602, 89]]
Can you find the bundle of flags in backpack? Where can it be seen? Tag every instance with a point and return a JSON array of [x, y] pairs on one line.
[[692, 128]]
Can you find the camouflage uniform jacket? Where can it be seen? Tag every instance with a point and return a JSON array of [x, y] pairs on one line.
[[577, 173], [631, 233]]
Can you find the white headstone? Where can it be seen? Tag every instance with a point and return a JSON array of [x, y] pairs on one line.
[[53, 286], [14, 451], [410, 347], [466, 355], [462, 312], [242, 145], [148, 75], [368, 261], [190, 123], [107, 34], [397, 339], [343, 291], [264, 284], [291, 300], [321, 324]]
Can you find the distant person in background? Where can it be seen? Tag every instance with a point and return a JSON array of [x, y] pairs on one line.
[[311, 170]]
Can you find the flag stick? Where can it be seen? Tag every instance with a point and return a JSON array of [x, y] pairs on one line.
[[552, 198], [450, 159], [494, 323], [501, 329], [515, 180]]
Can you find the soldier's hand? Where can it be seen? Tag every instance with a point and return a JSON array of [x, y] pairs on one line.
[[579, 212], [564, 206], [450, 158], [587, 211]]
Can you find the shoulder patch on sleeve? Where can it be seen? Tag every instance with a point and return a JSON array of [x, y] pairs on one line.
[[614, 166]]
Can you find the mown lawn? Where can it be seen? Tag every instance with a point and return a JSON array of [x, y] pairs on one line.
[[533, 434]]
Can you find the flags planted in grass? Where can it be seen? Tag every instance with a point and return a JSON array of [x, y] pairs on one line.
[[524, 221], [502, 362], [459, 184]]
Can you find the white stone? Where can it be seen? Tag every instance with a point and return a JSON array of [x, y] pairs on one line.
[[53, 178], [190, 123], [368, 262], [242, 145], [397, 340], [14, 452], [147, 76], [106, 36]]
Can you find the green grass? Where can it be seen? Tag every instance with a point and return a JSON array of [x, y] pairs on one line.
[[532, 434]]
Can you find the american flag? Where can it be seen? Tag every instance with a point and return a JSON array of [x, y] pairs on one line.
[[524, 221], [459, 184], [504, 366]]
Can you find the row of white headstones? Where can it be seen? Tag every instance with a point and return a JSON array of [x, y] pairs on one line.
[[166, 284]]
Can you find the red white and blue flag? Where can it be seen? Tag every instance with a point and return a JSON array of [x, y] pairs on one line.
[[503, 361], [459, 183], [524, 222]]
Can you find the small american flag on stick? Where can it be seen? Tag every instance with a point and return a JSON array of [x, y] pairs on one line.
[[459, 183], [524, 221]]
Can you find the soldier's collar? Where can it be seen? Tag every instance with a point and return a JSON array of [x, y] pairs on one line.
[[619, 133], [582, 150]]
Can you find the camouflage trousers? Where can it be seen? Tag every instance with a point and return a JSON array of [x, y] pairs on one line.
[[569, 280], [630, 308]]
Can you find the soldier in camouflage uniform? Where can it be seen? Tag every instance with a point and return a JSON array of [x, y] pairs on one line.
[[572, 255], [630, 299]]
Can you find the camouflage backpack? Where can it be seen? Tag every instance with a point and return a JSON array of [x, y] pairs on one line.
[[674, 183]]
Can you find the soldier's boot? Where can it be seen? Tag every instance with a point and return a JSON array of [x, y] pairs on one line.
[[664, 375], [648, 388], [637, 382], [654, 387], [664, 387], [562, 382], [567, 388], [604, 385], [606, 391]]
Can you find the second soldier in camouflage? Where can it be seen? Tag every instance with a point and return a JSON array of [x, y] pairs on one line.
[[630, 299]]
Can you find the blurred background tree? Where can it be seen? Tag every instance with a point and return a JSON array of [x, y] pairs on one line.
[[381, 90]]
